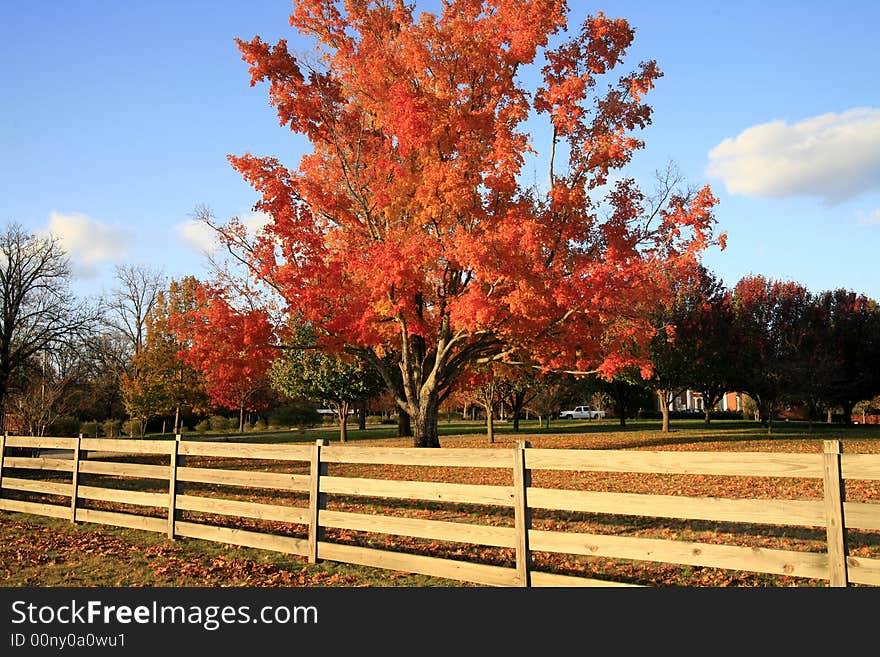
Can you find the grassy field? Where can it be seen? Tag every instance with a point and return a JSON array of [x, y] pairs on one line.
[[634, 433], [37, 551]]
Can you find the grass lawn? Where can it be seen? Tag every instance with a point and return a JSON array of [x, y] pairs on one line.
[[593, 432], [37, 551]]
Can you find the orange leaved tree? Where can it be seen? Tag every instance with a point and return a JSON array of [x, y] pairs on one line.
[[406, 235], [232, 348]]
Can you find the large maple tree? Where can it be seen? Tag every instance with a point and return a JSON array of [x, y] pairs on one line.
[[407, 235]]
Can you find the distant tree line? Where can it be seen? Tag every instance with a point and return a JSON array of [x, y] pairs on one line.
[[159, 355], [774, 341]]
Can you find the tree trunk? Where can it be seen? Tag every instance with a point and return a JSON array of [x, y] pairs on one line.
[[490, 423], [362, 415], [241, 419], [664, 409], [177, 419], [424, 422], [830, 416], [621, 399], [342, 412], [768, 415], [707, 412], [404, 425], [517, 406]]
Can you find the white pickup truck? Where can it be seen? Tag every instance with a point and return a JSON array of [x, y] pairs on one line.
[[582, 413]]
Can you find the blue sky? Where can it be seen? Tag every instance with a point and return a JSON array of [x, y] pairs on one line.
[[117, 118]]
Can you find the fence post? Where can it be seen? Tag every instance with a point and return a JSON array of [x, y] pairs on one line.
[[179, 486], [316, 499], [2, 457], [835, 496], [521, 516], [74, 482], [172, 487]]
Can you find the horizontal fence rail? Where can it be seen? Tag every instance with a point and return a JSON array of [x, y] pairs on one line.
[[290, 498]]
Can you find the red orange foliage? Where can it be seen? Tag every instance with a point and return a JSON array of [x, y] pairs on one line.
[[406, 230], [232, 348]]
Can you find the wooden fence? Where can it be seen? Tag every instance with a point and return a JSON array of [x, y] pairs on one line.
[[71, 477]]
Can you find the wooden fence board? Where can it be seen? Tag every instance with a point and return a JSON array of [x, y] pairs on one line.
[[447, 457], [126, 446], [771, 512], [420, 490], [254, 510], [36, 508], [285, 544], [862, 515], [249, 478], [124, 469], [542, 579], [130, 520], [40, 463], [246, 450], [752, 464], [413, 563], [862, 570], [41, 443], [732, 557], [37, 486], [121, 496], [439, 530], [860, 466]]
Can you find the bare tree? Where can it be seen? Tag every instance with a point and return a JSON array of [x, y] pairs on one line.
[[44, 389], [130, 302], [107, 358], [38, 312]]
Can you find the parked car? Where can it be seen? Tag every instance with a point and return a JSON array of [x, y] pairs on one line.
[[582, 413]]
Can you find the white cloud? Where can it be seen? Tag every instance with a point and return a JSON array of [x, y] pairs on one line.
[[255, 221], [198, 235], [203, 238], [832, 156], [89, 242]]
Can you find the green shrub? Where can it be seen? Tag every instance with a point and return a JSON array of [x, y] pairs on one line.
[[203, 426], [64, 426], [219, 423]]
